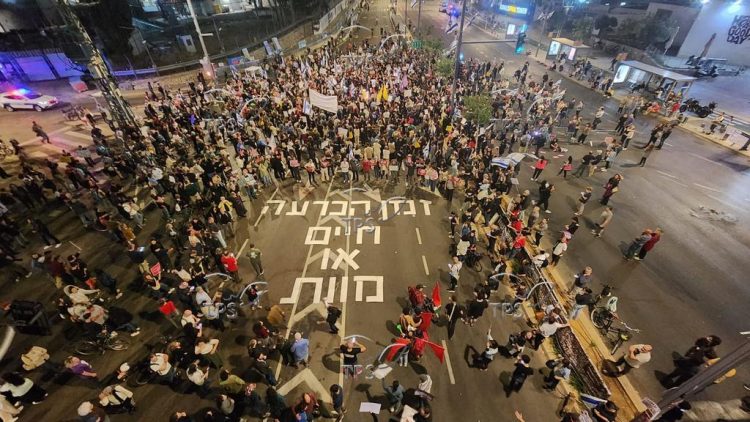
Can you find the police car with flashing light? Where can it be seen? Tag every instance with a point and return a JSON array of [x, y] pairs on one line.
[[22, 98]]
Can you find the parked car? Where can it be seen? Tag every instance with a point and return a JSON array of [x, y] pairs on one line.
[[23, 98]]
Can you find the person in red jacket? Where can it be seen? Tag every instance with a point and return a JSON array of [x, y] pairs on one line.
[[229, 261], [655, 237]]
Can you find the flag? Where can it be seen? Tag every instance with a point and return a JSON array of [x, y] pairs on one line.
[[382, 93], [399, 344], [413, 3], [328, 103], [451, 28], [404, 82], [436, 302], [426, 321], [438, 350]]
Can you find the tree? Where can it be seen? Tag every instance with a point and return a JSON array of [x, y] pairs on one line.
[[582, 28], [478, 108], [444, 67], [605, 23]]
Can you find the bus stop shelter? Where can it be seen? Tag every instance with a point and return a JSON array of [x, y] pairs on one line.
[[566, 47], [652, 78]]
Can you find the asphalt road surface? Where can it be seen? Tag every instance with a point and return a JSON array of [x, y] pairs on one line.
[[693, 283]]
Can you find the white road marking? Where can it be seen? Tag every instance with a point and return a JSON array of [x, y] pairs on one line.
[[707, 187], [266, 207], [668, 144], [342, 328], [725, 203], [666, 174], [304, 273], [448, 363], [679, 183], [419, 235], [426, 268], [239, 253], [76, 246]]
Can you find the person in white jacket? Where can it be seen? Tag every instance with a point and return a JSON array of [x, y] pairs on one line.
[[78, 295]]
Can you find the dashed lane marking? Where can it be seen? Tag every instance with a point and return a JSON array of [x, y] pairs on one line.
[[426, 268], [419, 235]]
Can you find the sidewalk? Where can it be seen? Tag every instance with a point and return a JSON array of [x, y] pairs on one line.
[[733, 140]]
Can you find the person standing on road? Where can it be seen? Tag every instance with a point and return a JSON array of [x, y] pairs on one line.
[[559, 372], [610, 188], [637, 355], [255, 259], [637, 244], [559, 249], [646, 153], [604, 219], [395, 395], [454, 271], [454, 312], [349, 352], [37, 226], [541, 163], [584, 165], [519, 375], [300, 350], [664, 135], [333, 315], [583, 199], [38, 131], [229, 262], [545, 192], [582, 301], [627, 136], [655, 237]]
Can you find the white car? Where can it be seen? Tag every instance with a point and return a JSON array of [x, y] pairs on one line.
[[26, 99]]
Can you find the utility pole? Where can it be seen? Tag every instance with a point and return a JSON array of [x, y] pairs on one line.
[[419, 14], [544, 34], [119, 109], [457, 67], [205, 61], [406, 20]]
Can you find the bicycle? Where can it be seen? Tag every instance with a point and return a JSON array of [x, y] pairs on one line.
[[622, 335], [101, 344]]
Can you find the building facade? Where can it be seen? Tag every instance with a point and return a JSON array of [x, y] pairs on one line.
[[724, 27]]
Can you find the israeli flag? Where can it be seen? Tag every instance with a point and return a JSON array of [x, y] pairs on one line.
[[452, 26], [413, 3], [591, 401]]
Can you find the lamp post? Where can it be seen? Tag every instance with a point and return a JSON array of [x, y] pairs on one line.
[[206, 61], [457, 67]]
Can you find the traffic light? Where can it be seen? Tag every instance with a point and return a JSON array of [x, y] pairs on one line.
[[520, 42]]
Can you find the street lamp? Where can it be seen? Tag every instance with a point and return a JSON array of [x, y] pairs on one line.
[[205, 61]]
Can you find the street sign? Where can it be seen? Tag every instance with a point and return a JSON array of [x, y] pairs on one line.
[[416, 44]]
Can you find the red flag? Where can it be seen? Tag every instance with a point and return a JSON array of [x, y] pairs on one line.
[[426, 321], [400, 343], [438, 350], [436, 302]]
